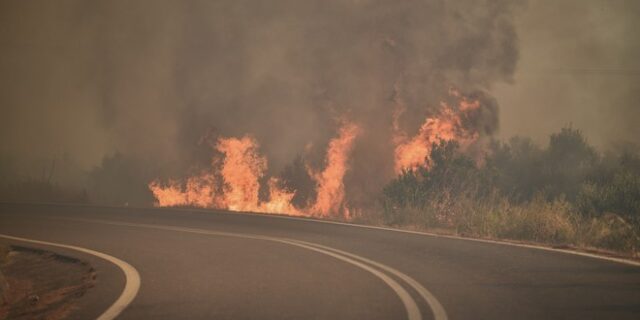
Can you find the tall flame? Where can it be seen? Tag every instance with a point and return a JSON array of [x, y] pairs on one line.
[[242, 169], [330, 184], [446, 125], [234, 183]]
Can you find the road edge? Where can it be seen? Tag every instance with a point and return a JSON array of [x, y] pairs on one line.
[[132, 277], [620, 260]]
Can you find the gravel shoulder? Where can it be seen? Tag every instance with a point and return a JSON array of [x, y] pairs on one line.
[[39, 284]]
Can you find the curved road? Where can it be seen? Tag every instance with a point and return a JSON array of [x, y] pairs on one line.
[[217, 265]]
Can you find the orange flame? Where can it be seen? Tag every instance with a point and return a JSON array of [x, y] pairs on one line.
[[241, 171], [198, 191], [330, 184], [279, 200], [234, 184], [447, 125]]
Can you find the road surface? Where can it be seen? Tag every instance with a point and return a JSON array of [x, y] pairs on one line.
[[215, 265]]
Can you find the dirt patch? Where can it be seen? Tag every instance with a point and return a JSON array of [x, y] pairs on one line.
[[42, 284]]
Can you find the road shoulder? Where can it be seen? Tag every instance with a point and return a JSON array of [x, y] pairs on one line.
[[42, 284]]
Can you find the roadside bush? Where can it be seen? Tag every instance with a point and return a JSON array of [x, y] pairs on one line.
[[564, 194], [441, 190], [569, 161], [540, 221], [610, 231], [519, 166], [621, 195]]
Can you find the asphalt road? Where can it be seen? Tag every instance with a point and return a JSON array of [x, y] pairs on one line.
[[216, 265]]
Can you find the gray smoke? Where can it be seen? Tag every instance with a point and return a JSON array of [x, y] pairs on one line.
[[150, 78]]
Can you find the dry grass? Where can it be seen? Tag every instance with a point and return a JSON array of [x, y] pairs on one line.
[[539, 221], [610, 232]]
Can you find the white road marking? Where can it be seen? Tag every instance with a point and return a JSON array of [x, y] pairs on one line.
[[436, 307], [498, 242], [422, 233], [132, 278], [413, 312]]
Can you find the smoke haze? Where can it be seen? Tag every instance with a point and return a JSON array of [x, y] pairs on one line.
[[579, 66], [150, 79]]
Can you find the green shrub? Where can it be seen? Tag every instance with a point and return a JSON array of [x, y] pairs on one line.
[[565, 194], [620, 195], [610, 231]]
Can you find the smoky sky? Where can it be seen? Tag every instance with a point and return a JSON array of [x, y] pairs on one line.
[[149, 79], [578, 66]]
